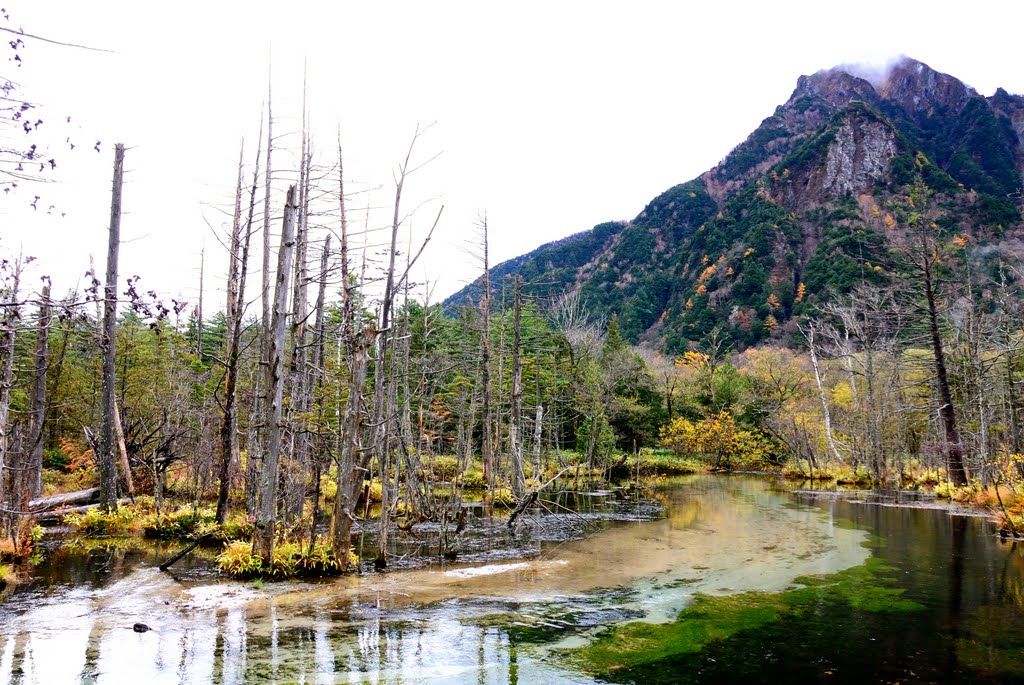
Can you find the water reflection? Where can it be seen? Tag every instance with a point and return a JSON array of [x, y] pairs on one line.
[[490, 623]]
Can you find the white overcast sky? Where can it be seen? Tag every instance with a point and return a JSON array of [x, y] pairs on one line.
[[550, 116]]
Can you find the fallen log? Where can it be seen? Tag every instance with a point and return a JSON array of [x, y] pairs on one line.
[[60, 512], [195, 543], [523, 505], [531, 497], [64, 499]]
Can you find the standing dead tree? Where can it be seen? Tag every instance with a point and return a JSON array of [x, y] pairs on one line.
[[238, 267], [516, 424], [256, 441], [105, 455], [384, 386], [11, 315], [486, 446], [37, 418], [263, 537]]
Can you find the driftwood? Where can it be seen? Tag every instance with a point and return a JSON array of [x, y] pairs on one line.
[[63, 500], [525, 503], [528, 500], [195, 543]]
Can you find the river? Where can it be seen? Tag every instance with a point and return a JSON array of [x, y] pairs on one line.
[[519, 620]]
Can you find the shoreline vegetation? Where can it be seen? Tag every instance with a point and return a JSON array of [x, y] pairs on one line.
[[289, 429], [351, 399], [193, 522]]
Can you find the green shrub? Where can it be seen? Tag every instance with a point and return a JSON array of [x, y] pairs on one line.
[[98, 522], [184, 522], [443, 468], [288, 560], [238, 560], [328, 488], [472, 478], [55, 458], [503, 497], [8, 576], [239, 527]]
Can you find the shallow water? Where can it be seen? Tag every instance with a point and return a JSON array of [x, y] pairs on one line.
[[496, 621]]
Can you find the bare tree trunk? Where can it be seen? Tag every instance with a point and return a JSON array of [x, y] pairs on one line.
[[538, 436], [821, 396], [315, 383], [298, 361], [11, 317], [348, 419], [954, 448], [229, 424], [257, 430], [382, 386], [346, 285], [38, 416], [263, 537], [485, 365], [516, 424], [538, 426], [122, 450], [237, 273], [107, 465], [1011, 399], [410, 453], [348, 446], [496, 410]]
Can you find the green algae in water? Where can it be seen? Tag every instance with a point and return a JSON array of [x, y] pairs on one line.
[[993, 642], [710, 619]]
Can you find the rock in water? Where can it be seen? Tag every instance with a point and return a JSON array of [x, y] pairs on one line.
[[141, 628]]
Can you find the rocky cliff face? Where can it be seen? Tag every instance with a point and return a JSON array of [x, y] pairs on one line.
[[860, 154], [801, 208]]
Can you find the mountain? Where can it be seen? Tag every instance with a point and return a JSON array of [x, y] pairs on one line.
[[801, 209]]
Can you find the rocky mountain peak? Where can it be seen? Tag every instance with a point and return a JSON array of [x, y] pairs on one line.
[[920, 90], [835, 87], [807, 205]]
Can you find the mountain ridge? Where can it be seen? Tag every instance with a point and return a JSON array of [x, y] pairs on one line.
[[798, 209]]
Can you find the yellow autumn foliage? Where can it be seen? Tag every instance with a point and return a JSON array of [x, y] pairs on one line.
[[718, 437], [707, 273]]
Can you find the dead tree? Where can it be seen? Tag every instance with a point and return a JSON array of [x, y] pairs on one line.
[[229, 423], [9, 332], [263, 537], [383, 378], [347, 437], [37, 418], [349, 445], [829, 437], [105, 455], [516, 424], [237, 269], [316, 384], [297, 387], [486, 445], [257, 431]]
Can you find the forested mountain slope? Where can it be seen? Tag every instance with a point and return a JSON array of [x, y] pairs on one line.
[[812, 202]]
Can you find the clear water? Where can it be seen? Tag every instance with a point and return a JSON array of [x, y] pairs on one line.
[[496, 621]]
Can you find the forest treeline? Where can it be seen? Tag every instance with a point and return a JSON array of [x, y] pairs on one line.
[[326, 380]]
